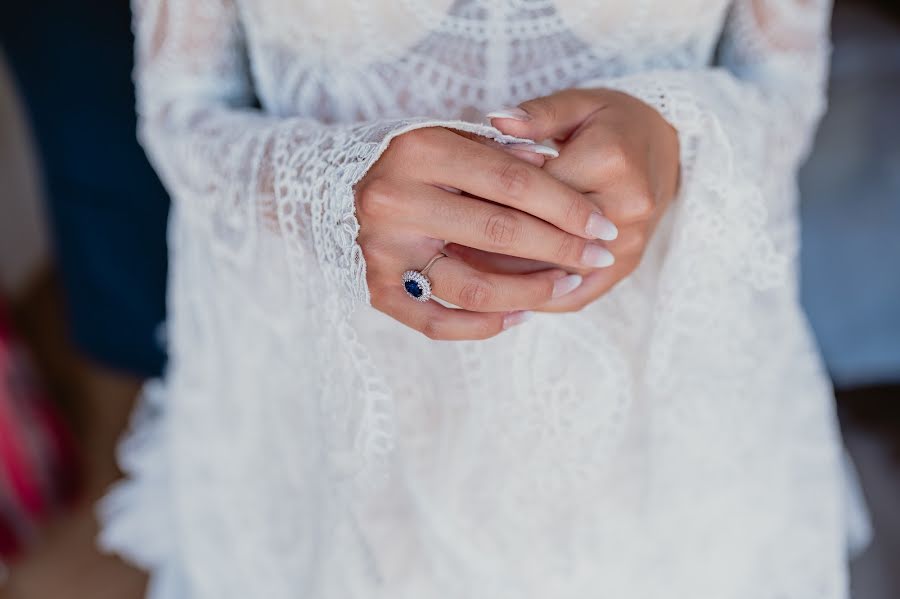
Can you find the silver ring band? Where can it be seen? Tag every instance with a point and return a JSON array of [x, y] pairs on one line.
[[416, 282]]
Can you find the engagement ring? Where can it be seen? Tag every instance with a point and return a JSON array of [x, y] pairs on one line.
[[417, 284]]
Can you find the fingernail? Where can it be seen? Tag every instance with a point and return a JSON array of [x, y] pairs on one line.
[[516, 318], [601, 227], [566, 285], [510, 112], [597, 256], [534, 149]]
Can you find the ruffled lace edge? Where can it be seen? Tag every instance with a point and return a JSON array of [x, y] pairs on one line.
[[135, 515]]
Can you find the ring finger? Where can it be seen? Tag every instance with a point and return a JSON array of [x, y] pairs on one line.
[[456, 282], [440, 323]]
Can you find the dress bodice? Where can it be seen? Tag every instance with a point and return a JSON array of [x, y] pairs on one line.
[[348, 59]]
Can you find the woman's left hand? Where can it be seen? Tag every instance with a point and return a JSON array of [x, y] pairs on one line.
[[616, 150]]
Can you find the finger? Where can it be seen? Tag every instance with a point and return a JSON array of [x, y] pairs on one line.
[[532, 153], [593, 286], [441, 323], [525, 146], [458, 283], [496, 263], [496, 176], [555, 116], [475, 223], [631, 242]]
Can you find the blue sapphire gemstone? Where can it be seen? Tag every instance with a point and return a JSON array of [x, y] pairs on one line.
[[413, 288]]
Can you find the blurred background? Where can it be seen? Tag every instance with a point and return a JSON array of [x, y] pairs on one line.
[[83, 268]]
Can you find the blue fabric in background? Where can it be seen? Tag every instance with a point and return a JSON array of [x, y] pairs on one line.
[[73, 62], [850, 214]]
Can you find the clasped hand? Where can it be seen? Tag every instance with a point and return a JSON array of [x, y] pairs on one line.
[[523, 231]]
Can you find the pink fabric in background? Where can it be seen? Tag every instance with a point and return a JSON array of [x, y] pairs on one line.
[[37, 460]]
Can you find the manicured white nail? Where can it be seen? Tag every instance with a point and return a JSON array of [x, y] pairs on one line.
[[516, 318], [534, 149], [510, 112], [601, 227], [597, 256], [565, 285]]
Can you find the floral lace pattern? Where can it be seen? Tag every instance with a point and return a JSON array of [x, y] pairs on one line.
[[675, 439]]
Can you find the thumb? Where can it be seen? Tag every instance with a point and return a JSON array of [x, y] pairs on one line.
[[555, 116]]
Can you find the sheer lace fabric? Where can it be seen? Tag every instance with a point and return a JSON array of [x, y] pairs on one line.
[[675, 439]]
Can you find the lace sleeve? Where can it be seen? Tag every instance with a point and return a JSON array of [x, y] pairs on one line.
[[235, 171], [745, 125]]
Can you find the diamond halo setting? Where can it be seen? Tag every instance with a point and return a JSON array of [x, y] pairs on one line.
[[417, 285]]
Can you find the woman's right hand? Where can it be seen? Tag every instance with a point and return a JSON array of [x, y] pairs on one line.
[[434, 185]]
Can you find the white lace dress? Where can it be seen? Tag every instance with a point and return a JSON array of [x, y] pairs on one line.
[[674, 440]]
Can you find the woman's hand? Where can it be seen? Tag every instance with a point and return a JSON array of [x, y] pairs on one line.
[[616, 150], [433, 185]]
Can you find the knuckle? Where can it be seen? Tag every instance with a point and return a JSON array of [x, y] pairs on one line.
[[475, 295], [502, 229], [402, 143], [414, 141], [613, 158], [376, 198], [513, 177]]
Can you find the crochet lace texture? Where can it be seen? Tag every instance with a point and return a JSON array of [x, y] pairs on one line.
[[673, 440]]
